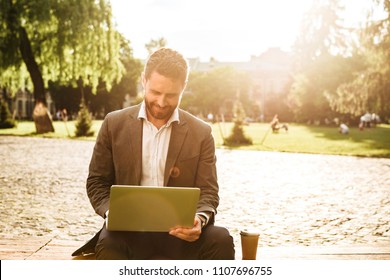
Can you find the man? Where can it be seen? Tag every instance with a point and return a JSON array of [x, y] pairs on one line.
[[156, 143], [343, 129]]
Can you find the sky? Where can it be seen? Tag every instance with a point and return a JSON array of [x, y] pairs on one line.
[[227, 30]]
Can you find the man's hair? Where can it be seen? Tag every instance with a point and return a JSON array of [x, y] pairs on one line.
[[169, 63]]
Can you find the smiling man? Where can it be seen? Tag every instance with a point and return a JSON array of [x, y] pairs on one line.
[[157, 144]]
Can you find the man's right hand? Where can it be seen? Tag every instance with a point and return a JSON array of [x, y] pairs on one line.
[[188, 234]]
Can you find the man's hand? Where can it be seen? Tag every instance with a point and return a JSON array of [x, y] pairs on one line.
[[188, 234]]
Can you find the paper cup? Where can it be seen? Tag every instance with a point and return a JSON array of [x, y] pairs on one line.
[[249, 241]]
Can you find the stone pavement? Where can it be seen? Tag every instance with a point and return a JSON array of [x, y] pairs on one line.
[[291, 199]]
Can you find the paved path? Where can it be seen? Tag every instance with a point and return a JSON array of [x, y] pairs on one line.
[[291, 199]]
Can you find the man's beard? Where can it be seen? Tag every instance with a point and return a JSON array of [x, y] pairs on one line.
[[157, 112]]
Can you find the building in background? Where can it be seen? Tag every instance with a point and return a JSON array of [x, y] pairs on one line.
[[22, 105], [270, 73]]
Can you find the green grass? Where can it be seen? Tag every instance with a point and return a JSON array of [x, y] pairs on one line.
[[61, 130], [374, 142]]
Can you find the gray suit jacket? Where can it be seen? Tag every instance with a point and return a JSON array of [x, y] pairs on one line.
[[117, 157]]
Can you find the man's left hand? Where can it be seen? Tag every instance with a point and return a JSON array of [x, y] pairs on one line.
[[188, 234]]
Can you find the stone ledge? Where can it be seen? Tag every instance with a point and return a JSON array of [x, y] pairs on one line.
[[53, 249]]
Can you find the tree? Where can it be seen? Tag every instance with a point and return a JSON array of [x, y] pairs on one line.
[[237, 136], [107, 100], [130, 79], [321, 33], [6, 120], [369, 88], [312, 91], [155, 44], [57, 40], [353, 76], [319, 61], [84, 122], [215, 91], [104, 100]]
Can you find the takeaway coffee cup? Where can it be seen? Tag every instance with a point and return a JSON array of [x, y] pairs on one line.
[[249, 241]]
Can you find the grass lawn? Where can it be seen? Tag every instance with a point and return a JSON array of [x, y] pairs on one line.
[[373, 142], [61, 130]]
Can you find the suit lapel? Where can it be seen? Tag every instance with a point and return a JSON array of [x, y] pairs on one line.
[[135, 132], [178, 134]]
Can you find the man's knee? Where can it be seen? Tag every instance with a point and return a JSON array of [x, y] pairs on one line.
[[221, 241], [218, 234], [109, 247]]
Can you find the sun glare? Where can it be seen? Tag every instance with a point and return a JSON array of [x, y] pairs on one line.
[[228, 30]]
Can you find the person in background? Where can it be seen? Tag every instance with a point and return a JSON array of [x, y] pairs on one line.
[[343, 129], [276, 126]]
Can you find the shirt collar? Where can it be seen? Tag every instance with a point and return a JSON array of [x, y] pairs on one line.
[[174, 117]]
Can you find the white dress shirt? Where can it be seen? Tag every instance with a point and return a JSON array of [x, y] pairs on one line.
[[155, 144]]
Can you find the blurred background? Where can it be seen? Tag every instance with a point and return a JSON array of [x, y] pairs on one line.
[[320, 62]]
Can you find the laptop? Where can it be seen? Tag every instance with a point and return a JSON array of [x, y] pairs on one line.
[[151, 209]]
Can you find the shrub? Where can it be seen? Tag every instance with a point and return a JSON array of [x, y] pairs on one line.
[[6, 120], [84, 122], [237, 136]]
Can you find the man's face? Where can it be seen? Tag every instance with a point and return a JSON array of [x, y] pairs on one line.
[[162, 96]]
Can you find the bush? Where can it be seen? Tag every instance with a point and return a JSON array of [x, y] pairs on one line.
[[237, 137], [6, 120], [84, 122]]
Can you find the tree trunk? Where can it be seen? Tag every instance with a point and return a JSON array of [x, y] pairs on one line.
[[42, 118]]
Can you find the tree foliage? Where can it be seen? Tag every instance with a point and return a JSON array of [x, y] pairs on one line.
[[155, 44], [104, 100], [335, 76], [321, 33], [107, 100], [369, 89], [237, 136], [321, 64], [6, 120], [216, 91], [84, 122], [128, 84], [57, 40], [311, 95]]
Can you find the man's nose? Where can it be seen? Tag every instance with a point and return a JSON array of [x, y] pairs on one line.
[[161, 101]]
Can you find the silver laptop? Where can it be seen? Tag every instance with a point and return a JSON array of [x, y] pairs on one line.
[[151, 209]]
